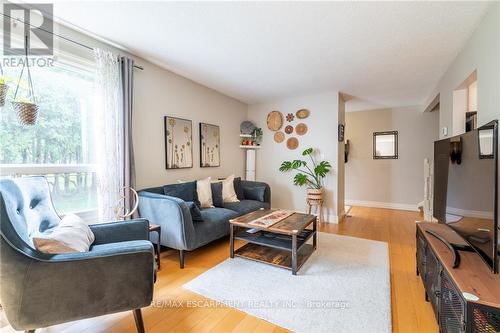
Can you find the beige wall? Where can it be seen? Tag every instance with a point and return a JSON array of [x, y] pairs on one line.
[[159, 92], [322, 135], [395, 183]]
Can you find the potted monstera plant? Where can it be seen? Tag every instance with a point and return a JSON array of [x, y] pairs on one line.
[[308, 175]]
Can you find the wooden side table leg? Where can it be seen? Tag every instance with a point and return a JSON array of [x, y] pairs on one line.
[[320, 213], [308, 208], [158, 248], [315, 227]]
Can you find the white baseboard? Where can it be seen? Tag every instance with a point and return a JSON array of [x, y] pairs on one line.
[[469, 213], [377, 204]]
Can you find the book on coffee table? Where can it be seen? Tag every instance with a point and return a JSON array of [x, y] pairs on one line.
[[272, 218]]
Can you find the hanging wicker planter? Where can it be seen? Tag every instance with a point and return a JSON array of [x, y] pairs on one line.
[[27, 112], [3, 88], [3, 93]]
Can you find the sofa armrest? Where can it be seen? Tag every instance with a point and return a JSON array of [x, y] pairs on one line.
[[174, 217], [120, 231], [251, 186]]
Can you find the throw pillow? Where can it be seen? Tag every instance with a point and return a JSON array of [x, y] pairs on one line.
[[185, 191], [195, 211], [204, 191], [255, 193], [217, 194], [72, 234], [228, 193], [238, 188]]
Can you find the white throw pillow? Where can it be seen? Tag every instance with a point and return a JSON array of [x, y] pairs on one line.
[[204, 190], [72, 234], [228, 192]]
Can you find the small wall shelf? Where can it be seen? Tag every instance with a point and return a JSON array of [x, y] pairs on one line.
[[246, 136], [249, 147]]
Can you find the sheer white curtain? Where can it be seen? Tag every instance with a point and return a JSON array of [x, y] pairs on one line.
[[109, 132]]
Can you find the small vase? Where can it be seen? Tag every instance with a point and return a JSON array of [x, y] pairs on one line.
[[315, 194]]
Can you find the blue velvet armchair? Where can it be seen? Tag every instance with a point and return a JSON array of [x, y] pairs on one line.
[[40, 290]]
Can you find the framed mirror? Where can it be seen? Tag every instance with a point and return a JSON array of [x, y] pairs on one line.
[[385, 145], [485, 136]]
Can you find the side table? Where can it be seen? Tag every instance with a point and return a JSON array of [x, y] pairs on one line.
[[156, 228]]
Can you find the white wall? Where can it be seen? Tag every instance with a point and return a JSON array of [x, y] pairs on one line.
[[322, 135], [159, 92], [481, 52], [397, 183]]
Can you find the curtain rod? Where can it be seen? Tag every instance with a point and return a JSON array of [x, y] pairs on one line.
[[62, 37]]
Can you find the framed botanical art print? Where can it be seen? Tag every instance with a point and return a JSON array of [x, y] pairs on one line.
[[178, 143], [209, 145]]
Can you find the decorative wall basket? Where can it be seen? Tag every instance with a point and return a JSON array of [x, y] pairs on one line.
[[26, 112], [3, 93]]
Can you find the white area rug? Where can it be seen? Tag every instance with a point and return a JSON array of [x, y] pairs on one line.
[[343, 287]]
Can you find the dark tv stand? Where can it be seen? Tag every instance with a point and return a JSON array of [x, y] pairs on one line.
[[466, 297], [454, 248]]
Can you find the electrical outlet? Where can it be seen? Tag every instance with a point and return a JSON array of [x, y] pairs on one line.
[[444, 131]]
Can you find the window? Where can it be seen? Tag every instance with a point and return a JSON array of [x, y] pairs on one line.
[[60, 145]]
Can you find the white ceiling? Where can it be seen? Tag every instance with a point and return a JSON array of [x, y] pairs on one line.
[[385, 54]]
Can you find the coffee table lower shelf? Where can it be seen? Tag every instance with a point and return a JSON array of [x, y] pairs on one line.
[[274, 256]]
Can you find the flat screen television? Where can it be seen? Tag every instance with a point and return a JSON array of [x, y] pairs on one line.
[[465, 189]]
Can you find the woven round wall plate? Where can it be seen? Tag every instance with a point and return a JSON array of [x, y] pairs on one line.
[[274, 120], [279, 137], [289, 129], [292, 143], [301, 129], [302, 113]]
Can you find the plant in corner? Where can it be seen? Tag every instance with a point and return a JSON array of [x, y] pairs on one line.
[[312, 177]]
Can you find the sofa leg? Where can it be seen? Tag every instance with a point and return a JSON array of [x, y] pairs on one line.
[[138, 321], [29, 331], [181, 258]]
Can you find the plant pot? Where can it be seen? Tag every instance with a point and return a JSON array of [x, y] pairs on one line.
[[315, 194], [26, 112], [3, 93]]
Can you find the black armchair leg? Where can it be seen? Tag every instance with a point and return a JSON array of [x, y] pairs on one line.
[[181, 258], [138, 321]]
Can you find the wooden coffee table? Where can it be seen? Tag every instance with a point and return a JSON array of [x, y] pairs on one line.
[[283, 244]]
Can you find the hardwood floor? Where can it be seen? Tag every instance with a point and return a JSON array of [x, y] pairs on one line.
[[173, 311]]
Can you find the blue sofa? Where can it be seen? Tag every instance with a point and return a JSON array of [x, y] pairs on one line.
[[174, 215]]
